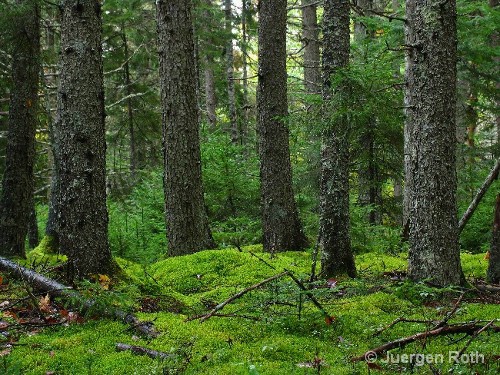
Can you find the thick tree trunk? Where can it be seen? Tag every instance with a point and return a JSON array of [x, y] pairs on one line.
[[282, 228], [80, 142], [231, 94], [493, 273], [431, 181], [17, 183], [186, 218], [334, 225], [311, 45]]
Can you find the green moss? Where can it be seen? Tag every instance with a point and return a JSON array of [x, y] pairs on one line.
[[280, 343]]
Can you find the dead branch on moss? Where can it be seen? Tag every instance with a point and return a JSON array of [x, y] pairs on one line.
[[470, 328], [56, 289], [139, 350], [220, 306]]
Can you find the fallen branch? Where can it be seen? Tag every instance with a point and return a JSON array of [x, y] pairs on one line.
[[56, 289], [139, 350], [220, 306], [488, 288], [480, 194], [469, 328]]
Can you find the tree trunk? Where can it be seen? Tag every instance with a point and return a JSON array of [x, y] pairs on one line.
[[233, 121], [210, 98], [80, 145], [431, 181], [33, 236], [186, 218], [493, 273], [17, 183], [282, 228], [311, 45], [334, 223], [495, 37], [369, 187], [244, 62], [130, 109]]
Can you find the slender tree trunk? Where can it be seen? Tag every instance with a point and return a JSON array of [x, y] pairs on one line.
[[282, 228], [186, 219], [334, 223], [210, 98], [431, 181], [233, 121], [368, 184], [17, 183], [80, 143], [311, 45], [130, 108], [495, 38], [244, 52], [493, 273], [33, 236]]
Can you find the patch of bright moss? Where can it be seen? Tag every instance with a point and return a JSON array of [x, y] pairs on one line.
[[285, 339]]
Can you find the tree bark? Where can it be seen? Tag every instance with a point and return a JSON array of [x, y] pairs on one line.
[[33, 235], [282, 228], [17, 183], [210, 98], [130, 109], [334, 223], [186, 218], [231, 95], [244, 61], [430, 101], [80, 146], [493, 273], [311, 46]]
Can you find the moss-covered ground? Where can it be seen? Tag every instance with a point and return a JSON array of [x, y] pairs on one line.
[[271, 330]]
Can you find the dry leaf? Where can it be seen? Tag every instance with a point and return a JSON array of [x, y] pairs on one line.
[[105, 281], [44, 304], [487, 256], [5, 352]]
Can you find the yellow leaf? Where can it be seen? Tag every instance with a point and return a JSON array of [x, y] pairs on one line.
[[104, 280], [44, 304]]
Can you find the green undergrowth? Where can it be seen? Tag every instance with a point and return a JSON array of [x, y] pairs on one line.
[[274, 329]]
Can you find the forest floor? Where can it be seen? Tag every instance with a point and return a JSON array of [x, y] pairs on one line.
[[273, 329]]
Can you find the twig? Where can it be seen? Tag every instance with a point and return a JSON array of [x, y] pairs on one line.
[[480, 193], [249, 317], [468, 328], [474, 335], [139, 350], [220, 306], [308, 294], [401, 320], [450, 314]]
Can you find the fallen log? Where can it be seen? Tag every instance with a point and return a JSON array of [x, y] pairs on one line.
[[469, 328], [139, 350], [56, 289]]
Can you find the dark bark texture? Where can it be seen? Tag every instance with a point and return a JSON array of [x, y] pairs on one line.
[[282, 228], [186, 218], [80, 147], [17, 183], [334, 225], [431, 182], [311, 45], [493, 273]]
